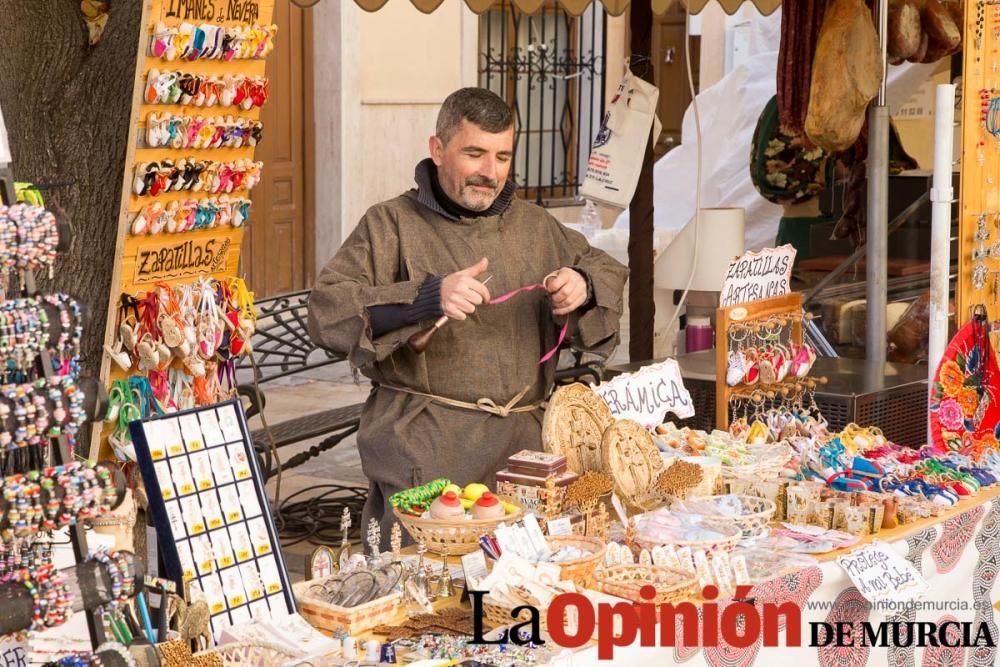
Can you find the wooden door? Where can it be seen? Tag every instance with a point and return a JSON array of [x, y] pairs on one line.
[[670, 74], [277, 247]]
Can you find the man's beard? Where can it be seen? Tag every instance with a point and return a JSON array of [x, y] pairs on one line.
[[473, 199]]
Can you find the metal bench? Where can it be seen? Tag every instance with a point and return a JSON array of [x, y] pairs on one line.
[[282, 348]]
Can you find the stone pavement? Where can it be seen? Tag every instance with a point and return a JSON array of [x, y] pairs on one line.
[[322, 389]]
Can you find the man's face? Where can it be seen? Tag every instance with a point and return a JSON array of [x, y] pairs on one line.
[[474, 165]]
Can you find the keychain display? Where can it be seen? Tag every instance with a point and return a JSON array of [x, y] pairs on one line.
[[765, 353], [212, 42], [190, 215], [180, 131], [189, 88], [184, 341], [767, 361], [191, 175]]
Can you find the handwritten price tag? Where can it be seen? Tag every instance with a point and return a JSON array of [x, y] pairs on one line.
[[881, 574]]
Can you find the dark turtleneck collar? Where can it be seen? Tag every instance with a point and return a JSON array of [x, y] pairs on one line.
[[430, 194]]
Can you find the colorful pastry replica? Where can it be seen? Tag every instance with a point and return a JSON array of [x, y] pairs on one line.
[[488, 506], [447, 506]]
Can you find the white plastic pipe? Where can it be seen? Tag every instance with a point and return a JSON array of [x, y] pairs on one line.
[[941, 199]]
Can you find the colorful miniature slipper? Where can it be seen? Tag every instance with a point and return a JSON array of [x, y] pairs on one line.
[[143, 220], [151, 94], [219, 137], [255, 133], [206, 134], [229, 91], [735, 369], [161, 40], [752, 367], [213, 90], [139, 179], [766, 366], [213, 41], [781, 365], [155, 136], [149, 358], [800, 366], [118, 355]]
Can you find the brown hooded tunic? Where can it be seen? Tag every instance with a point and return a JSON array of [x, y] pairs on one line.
[[406, 440]]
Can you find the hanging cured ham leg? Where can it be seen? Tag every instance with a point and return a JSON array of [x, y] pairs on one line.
[[846, 75]]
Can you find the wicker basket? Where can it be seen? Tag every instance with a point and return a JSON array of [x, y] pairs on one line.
[[624, 581], [731, 537], [353, 620], [454, 536], [751, 524], [580, 570]]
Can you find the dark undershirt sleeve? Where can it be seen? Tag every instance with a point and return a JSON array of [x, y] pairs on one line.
[[590, 302], [392, 316]]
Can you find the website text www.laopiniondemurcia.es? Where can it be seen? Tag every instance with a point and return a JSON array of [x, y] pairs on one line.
[[740, 623]]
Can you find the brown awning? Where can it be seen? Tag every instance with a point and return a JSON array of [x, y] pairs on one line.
[[577, 7]]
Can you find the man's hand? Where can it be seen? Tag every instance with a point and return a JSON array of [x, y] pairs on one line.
[[567, 289], [461, 292]]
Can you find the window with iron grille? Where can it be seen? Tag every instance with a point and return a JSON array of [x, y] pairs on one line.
[[550, 68]]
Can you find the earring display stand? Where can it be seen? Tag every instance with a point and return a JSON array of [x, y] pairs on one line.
[[754, 318], [143, 260], [213, 522]]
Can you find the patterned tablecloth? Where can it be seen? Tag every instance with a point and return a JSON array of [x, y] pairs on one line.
[[959, 556]]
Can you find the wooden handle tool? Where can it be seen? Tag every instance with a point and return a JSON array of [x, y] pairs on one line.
[[419, 341]]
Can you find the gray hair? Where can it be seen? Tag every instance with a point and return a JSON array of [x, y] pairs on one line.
[[476, 105]]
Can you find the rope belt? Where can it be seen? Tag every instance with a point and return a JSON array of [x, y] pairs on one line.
[[483, 404]]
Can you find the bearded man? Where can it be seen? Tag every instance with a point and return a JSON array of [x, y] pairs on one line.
[[473, 397]]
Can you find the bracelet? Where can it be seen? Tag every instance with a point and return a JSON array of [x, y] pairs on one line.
[[115, 574]]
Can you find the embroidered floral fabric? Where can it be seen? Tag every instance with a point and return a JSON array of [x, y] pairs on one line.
[[782, 167], [964, 410]]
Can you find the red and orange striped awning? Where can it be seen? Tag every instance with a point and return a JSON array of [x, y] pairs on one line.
[[577, 7]]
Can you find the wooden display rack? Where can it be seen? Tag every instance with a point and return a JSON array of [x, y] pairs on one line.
[[787, 307], [142, 261], [979, 192]]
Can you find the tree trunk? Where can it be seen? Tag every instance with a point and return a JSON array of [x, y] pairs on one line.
[[67, 107]]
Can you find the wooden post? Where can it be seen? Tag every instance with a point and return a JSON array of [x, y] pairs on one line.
[[640, 243], [980, 159]]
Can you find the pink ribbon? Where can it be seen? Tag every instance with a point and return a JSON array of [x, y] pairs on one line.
[[565, 327]]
